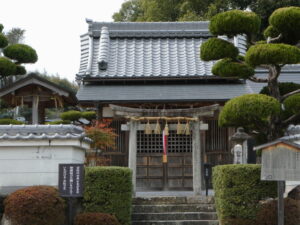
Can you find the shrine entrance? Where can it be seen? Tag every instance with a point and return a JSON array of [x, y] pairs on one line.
[[153, 173], [155, 167]]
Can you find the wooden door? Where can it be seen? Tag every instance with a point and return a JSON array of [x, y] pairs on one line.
[[152, 174]]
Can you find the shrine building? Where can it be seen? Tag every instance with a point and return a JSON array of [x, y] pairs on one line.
[[164, 101]]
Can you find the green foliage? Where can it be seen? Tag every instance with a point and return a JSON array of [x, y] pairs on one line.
[[109, 190], [89, 115], [71, 115], [15, 35], [1, 27], [287, 21], [62, 82], [130, 11], [216, 48], [284, 88], [271, 31], [96, 219], [238, 190], [57, 122], [7, 121], [249, 111], [229, 68], [234, 22], [3, 41], [21, 53], [274, 54], [7, 67], [292, 104], [20, 70], [35, 206], [267, 215]]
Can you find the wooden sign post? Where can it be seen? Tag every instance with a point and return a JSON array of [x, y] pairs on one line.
[[70, 184], [280, 162]]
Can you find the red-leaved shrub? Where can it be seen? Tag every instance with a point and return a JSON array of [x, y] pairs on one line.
[[37, 205], [96, 219]]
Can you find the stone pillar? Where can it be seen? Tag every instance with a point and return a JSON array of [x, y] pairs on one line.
[[133, 127], [35, 110], [197, 160]]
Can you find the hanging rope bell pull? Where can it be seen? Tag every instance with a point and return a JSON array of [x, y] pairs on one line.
[[148, 128], [157, 128], [179, 128], [166, 130], [187, 130]]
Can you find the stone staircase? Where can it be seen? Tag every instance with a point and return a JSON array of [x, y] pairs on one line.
[[174, 211]]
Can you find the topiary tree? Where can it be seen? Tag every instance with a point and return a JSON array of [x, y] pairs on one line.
[[14, 56], [257, 112]]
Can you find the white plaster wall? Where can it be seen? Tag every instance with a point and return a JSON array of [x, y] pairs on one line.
[[35, 165]]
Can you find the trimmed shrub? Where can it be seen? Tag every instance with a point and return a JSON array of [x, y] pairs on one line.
[[109, 190], [21, 53], [234, 22], [71, 115], [35, 206], [287, 21], [20, 70], [57, 122], [10, 121], [7, 67], [3, 41], [216, 48], [229, 68], [96, 219], [267, 215], [249, 111], [238, 190], [284, 88], [274, 54], [89, 115], [292, 104]]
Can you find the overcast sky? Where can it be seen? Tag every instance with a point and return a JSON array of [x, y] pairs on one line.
[[53, 28]]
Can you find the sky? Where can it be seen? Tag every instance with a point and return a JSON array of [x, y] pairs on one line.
[[53, 28]]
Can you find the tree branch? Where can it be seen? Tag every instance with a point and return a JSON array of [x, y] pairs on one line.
[[258, 80], [289, 94], [272, 40], [288, 120]]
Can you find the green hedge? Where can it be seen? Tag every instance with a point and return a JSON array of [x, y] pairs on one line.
[[109, 190], [7, 121], [238, 190]]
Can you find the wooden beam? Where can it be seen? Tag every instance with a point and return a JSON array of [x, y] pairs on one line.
[[126, 127]]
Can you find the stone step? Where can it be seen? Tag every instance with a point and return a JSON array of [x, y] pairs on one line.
[[173, 200], [173, 208], [177, 222], [175, 216]]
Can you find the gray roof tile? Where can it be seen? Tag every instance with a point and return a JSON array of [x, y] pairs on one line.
[[169, 49], [42, 132]]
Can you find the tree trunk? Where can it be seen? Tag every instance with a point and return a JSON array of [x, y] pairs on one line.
[[275, 121]]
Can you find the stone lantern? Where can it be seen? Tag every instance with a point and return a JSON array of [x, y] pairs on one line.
[[240, 149]]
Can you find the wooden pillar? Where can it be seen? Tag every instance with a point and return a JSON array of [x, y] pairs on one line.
[[99, 111], [197, 159], [35, 110], [133, 127]]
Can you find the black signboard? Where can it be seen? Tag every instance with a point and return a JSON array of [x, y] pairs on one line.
[[70, 181]]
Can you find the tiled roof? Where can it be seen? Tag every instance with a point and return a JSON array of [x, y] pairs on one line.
[[170, 49], [41, 132]]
